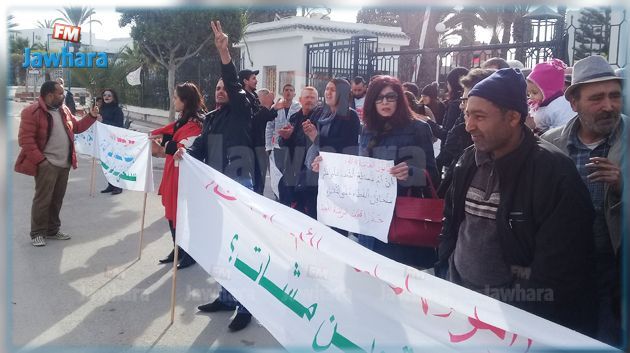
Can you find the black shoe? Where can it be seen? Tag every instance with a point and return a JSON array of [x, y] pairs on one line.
[[241, 320], [116, 191], [109, 188], [186, 261], [170, 258], [214, 307]]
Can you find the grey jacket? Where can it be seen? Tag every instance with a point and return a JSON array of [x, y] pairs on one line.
[[612, 200]]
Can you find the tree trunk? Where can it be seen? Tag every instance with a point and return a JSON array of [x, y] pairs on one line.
[[171, 87], [428, 62], [412, 27]]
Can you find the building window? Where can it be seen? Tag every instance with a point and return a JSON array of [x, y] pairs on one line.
[[270, 78], [286, 77]]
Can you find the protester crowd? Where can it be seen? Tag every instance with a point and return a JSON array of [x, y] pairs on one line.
[[530, 169]]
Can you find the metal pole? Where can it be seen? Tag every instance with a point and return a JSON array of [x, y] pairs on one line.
[[437, 68]]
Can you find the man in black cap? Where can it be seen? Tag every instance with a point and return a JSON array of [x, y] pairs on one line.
[[260, 116], [594, 140], [247, 79], [518, 218]]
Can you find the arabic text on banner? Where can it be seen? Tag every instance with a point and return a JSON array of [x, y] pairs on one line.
[[124, 155], [356, 194], [316, 290]]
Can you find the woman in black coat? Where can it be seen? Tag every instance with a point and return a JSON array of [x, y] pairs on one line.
[[112, 115], [335, 128]]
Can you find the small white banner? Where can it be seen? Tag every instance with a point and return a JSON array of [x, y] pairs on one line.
[[124, 155]]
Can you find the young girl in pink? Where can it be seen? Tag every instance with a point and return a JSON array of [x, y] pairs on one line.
[[545, 93]]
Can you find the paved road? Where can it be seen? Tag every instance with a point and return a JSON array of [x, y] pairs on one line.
[[92, 291]]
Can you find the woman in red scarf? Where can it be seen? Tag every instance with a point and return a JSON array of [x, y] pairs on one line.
[[181, 133]]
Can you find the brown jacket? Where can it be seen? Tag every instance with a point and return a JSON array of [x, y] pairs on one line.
[[35, 131]]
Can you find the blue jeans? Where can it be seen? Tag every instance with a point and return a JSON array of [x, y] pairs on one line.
[[226, 297], [415, 256]]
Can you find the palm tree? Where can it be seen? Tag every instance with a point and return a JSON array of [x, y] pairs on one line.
[[48, 23], [17, 46], [78, 16], [10, 22]]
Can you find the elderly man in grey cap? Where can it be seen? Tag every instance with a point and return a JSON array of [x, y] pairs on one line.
[[517, 217], [594, 141]]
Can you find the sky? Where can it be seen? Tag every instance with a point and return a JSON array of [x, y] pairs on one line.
[[27, 18]]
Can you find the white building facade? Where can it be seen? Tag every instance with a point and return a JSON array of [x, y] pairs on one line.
[[278, 48]]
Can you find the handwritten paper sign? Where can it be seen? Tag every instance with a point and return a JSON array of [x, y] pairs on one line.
[[356, 194], [318, 292]]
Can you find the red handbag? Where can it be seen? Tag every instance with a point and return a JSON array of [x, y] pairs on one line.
[[417, 221]]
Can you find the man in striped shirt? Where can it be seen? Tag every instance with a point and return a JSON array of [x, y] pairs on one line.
[[518, 219]]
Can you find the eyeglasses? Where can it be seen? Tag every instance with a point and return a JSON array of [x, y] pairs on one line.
[[389, 97]]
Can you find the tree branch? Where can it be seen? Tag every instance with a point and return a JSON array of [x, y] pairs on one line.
[[159, 59], [188, 56]]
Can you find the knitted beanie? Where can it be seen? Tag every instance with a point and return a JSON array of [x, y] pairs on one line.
[[506, 88], [549, 77]]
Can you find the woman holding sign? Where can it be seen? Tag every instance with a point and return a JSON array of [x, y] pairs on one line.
[[391, 132], [112, 115], [335, 128], [181, 133]]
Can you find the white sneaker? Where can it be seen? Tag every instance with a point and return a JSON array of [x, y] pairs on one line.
[[59, 236], [38, 241]]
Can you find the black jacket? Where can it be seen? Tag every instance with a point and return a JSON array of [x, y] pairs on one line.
[[70, 102], [259, 124], [293, 149], [225, 142], [544, 221], [457, 140], [112, 114]]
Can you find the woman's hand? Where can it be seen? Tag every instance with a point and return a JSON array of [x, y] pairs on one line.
[[315, 164], [179, 154], [400, 171]]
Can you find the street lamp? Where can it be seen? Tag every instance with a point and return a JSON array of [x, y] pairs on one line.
[[440, 28]]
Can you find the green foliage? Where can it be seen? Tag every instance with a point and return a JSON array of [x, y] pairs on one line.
[[377, 15], [18, 44], [261, 14], [96, 80], [161, 30], [593, 33], [170, 37], [48, 23], [78, 16]]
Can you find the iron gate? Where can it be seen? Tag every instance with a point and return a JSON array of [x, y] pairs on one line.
[[341, 58]]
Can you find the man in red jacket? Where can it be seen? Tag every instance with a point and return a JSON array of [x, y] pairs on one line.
[[46, 136]]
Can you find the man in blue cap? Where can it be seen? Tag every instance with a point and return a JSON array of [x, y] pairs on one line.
[[518, 219]]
